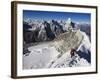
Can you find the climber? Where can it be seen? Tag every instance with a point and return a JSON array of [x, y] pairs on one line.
[[72, 52]]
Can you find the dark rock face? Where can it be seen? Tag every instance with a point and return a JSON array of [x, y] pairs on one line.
[[86, 54], [29, 36], [57, 27], [49, 32], [73, 24], [26, 32]]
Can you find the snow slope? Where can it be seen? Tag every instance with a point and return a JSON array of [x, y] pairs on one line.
[[40, 56]]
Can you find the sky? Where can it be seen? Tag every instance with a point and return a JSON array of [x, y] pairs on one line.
[[48, 15]]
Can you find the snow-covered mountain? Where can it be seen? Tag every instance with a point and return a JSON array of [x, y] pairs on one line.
[[81, 58], [56, 53], [46, 55]]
